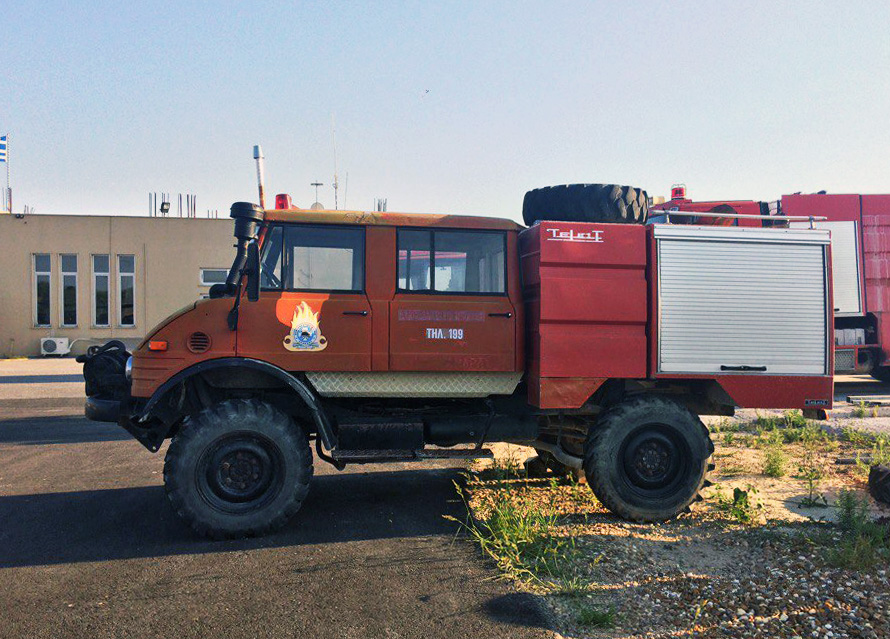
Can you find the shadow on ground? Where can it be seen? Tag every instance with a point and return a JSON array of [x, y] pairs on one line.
[[120, 523], [63, 429]]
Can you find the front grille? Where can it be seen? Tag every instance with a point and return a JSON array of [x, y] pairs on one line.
[[199, 342], [844, 360]]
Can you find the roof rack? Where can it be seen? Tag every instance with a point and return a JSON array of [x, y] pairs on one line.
[[812, 219]]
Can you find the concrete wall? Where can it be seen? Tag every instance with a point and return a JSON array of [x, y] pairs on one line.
[[169, 255]]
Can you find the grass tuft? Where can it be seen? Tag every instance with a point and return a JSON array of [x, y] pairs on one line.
[[521, 538], [742, 506], [864, 542], [596, 618], [774, 462]]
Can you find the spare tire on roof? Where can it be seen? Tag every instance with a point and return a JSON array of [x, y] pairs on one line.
[[586, 203]]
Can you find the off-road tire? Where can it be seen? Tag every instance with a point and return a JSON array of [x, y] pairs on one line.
[[881, 373], [879, 483], [238, 439], [586, 203], [615, 458]]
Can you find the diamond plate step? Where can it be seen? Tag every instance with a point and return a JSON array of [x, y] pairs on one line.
[[379, 456]]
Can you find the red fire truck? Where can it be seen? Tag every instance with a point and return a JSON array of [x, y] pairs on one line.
[[860, 247]]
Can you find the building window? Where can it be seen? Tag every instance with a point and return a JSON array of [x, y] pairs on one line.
[[69, 290], [42, 278], [101, 282], [211, 276], [126, 289], [323, 258], [468, 262]]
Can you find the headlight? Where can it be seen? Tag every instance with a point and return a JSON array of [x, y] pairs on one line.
[[128, 369]]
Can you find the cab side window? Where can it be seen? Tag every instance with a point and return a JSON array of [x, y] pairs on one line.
[[270, 263], [314, 258], [452, 262]]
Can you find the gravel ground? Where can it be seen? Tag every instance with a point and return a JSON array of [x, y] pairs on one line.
[[705, 574]]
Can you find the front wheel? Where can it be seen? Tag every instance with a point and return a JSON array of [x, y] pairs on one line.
[[237, 469], [646, 458]]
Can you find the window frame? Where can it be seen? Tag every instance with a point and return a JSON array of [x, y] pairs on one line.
[[285, 259], [432, 290], [120, 289], [62, 275], [93, 293], [49, 298], [201, 270]]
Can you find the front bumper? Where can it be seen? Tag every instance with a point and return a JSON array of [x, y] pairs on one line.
[[106, 370], [102, 410]]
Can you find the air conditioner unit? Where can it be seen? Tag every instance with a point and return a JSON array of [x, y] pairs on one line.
[[54, 346]]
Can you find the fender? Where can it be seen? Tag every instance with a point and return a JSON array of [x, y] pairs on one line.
[[301, 388]]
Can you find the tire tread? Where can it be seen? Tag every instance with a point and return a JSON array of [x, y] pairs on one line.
[[213, 417]]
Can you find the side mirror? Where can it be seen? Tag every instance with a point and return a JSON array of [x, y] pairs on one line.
[[252, 270]]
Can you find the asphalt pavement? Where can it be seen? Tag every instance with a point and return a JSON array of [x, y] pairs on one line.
[[90, 548]]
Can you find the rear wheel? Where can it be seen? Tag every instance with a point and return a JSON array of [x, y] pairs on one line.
[[586, 203], [646, 458], [239, 468]]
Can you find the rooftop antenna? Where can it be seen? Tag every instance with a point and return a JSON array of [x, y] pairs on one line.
[[336, 181], [317, 205], [258, 156]]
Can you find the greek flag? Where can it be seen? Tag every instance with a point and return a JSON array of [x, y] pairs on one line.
[[3, 148]]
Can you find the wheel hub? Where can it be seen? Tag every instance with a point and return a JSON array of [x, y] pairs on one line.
[[239, 471], [652, 458]]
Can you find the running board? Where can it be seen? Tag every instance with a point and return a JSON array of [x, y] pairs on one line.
[[381, 456]]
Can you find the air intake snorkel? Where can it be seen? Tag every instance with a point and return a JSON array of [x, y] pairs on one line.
[[248, 218]]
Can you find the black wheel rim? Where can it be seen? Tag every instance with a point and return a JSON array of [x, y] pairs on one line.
[[240, 473], [653, 460]]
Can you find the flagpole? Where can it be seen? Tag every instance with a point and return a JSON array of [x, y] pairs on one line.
[[8, 188]]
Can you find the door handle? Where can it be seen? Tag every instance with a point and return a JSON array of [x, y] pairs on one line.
[[507, 314], [760, 369], [362, 313]]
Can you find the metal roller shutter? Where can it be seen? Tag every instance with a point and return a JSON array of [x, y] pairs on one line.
[[845, 273], [741, 297]]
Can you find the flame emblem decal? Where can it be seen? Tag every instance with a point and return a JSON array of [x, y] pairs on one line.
[[305, 334]]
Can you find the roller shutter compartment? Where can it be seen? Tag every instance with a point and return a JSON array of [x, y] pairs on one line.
[[845, 272], [742, 300]]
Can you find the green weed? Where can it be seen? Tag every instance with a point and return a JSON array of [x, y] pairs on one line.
[[520, 537], [864, 542], [774, 462], [742, 507], [863, 410], [504, 468], [811, 473]]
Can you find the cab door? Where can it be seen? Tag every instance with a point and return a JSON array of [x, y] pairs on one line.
[[313, 314], [451, 311]]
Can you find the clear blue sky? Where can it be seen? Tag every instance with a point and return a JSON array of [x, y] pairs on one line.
[[106, 101]]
